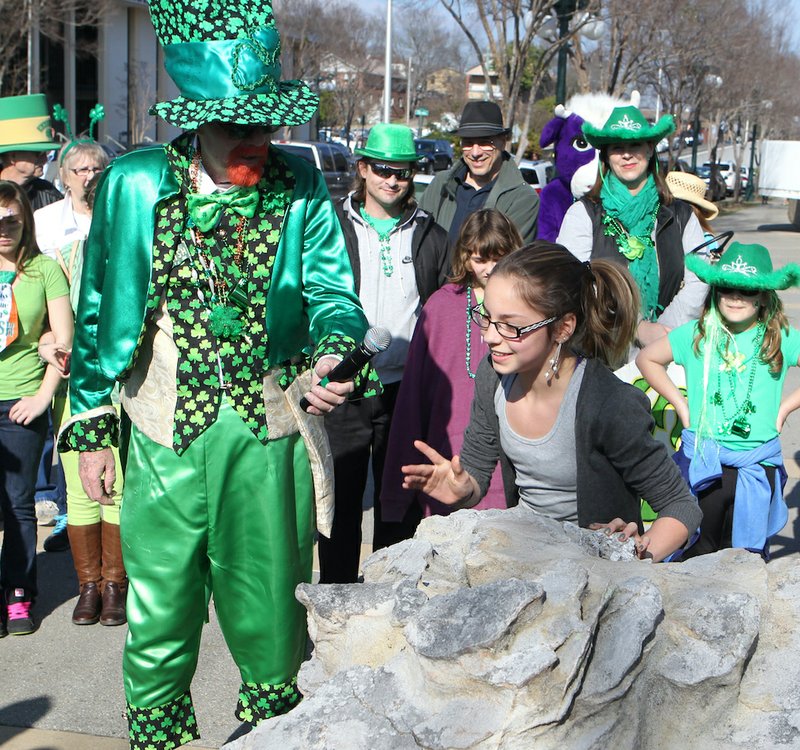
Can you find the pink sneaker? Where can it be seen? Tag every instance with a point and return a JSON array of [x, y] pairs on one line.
[[20, 619]]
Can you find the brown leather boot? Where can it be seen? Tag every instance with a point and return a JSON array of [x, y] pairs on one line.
[[85, 544], [115, 582]]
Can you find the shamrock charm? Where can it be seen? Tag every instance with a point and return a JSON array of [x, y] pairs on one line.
[[225, 322], [732, 361]]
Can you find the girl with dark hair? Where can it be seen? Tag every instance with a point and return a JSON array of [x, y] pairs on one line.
[[439, 378], [573, 440], [736, 358], [630, 217], [33, 294]]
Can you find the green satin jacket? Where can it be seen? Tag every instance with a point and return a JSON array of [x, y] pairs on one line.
[[311, 293]]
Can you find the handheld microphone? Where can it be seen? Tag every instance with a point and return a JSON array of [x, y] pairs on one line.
[[377, 340]]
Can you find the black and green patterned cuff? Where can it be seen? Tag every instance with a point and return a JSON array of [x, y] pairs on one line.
[[163, 727], [90, 433], [259, 701], [366, 382]]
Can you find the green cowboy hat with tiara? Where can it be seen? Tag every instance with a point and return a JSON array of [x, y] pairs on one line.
[[744, 267], [389, 142], [25, 124], [627, 124], [224, 57]]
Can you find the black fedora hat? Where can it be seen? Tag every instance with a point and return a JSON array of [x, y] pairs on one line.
[[481, 119]]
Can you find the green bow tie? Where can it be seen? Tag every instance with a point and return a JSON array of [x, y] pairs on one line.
[[205, 210]]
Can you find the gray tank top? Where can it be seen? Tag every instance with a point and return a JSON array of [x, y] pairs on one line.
[[545, 467]]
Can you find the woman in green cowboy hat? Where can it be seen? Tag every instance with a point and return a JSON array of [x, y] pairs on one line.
[[736, 358], [631, 217]]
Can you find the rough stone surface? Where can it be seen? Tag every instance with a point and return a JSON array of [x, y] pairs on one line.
[[502, 630]]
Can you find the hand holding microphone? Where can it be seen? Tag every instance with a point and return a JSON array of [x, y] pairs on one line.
[[324, 399]]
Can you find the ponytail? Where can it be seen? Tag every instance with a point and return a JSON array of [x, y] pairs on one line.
[[602, 295], [610, 301]]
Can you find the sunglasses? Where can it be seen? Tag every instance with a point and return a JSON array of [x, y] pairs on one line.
[[239, 132], [385, 171], [729, 291]]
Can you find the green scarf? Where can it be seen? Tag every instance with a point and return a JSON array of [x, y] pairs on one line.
[[630, 219]]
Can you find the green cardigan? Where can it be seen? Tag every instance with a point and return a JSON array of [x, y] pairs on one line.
[[311, 293]]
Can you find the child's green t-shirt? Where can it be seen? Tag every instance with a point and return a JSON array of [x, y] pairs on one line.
[[732, 383], [21, 371]]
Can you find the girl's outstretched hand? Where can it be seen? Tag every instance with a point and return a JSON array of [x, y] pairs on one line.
[[445, 481]]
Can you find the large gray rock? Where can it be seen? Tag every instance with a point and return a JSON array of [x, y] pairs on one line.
[[502, 630]]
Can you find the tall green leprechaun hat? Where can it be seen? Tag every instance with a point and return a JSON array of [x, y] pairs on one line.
[[224, 57], [627, 124], [744, 267], [25, 124]]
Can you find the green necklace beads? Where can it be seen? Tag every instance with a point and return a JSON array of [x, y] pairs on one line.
[[631, 246], [383, 228], [732, 364]]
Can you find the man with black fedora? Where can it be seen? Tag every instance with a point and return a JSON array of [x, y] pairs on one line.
[[484, 177], [216, 289]]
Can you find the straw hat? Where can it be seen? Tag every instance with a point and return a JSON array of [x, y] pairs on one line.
[[690, 188]]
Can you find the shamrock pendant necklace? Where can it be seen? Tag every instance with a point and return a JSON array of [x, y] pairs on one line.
[[227, 301], [631, 246], [732, 363]]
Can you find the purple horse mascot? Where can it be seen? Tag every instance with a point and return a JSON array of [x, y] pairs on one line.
[[575, 158]]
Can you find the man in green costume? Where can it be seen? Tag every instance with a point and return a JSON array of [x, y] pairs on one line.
[[216, 289]]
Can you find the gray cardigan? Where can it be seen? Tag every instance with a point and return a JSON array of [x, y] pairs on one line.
[[619, 461]]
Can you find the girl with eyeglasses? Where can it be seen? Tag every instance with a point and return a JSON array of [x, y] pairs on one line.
[[33, 294], [736, 358], [573, 441], [439, 378]]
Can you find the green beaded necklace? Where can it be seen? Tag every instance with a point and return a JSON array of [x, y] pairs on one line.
[[733, 364], [383, 228], [468, 338]]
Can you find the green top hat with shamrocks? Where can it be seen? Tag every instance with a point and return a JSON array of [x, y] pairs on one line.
[[224, 57]]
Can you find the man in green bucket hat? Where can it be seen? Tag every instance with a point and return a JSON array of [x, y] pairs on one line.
[[26, 135], [216, 288], [399, 256]]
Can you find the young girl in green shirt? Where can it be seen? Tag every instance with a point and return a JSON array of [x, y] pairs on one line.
[[736, 358], [33, 295]]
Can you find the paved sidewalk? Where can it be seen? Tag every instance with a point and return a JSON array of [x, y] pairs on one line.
[[65, 681]]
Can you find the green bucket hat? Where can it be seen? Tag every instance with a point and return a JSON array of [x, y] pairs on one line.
[[389, 142], [25, 124], [224, 57], [744, 267], [627, 124]]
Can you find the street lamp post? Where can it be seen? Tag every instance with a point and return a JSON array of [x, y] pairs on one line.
[[387, 79], [564, 9]]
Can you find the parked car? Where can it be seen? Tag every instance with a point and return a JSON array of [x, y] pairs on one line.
[[725, 168], [537, 173], [716, 190], [433, 154], [421, 182], [327, 159]]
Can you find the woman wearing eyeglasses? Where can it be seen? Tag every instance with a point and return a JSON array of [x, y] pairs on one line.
[[573, 440], [63, 223]]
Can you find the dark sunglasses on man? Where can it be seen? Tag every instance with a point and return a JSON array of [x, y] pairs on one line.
[[238, 132], [385, 171]]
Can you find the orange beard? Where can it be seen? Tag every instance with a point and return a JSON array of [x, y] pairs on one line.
[[246, 172]]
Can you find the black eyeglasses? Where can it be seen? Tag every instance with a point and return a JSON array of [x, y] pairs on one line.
[[385, 171], [239, 132], [86, 171], [506, 330], [729, 291]]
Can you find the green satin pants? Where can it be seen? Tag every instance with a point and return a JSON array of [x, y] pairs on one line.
[[230, 517]]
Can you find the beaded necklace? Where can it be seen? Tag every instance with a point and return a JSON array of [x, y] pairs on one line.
[[226, 300], [468, 338], [733, 364], [631, 246], [383, 238]]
